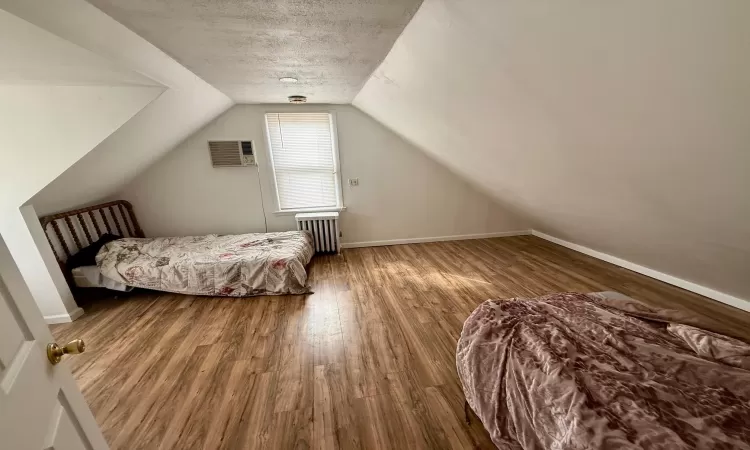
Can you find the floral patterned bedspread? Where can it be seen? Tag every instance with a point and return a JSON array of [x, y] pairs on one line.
[[214, 265], [584, 371]]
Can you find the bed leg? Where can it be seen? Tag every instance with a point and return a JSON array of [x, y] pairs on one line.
[[467, 414]]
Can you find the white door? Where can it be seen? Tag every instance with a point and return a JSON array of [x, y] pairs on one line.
[[40, 404]]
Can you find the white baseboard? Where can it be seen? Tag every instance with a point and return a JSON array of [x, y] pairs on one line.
[[64, 318], [458, 237], [679, 282]]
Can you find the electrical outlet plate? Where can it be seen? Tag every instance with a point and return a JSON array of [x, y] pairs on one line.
[[353, 181]]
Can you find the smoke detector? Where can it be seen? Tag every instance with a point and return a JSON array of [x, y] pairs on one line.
[[297, 99]]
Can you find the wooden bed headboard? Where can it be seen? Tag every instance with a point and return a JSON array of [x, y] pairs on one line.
[[70, 231]]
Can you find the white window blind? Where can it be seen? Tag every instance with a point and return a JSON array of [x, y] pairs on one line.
[[303, 160]]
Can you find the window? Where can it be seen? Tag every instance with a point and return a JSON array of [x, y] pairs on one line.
[[304, 160]]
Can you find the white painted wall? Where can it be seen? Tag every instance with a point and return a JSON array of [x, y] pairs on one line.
[[402, 193], [187, 105], [45, 129], [57, 102], [620, 126], [32, 55], [136, 145], [97, 75], [28, 245]]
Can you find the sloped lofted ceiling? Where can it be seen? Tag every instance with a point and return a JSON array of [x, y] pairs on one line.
[[620, 126], [243, 47], [57, 102], [186, 105], [31, 55]]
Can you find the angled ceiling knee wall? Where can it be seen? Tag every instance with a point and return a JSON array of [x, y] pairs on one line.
[[57, 102], [185, 106], [620, 126]]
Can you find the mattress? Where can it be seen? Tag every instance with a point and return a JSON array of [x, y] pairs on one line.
[[91, 277], [602, 370], [227, 265]]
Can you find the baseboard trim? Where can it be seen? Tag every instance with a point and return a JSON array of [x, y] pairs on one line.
[[64, 318], [458, 237], [661, 276]]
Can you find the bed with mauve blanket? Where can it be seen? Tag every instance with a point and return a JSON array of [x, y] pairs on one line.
[[575, 371]]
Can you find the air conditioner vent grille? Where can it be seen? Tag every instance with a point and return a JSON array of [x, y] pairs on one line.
[[225, 153]]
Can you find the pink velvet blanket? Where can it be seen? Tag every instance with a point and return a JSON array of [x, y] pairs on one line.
[[575, 371]]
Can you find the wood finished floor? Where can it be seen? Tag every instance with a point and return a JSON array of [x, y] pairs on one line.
[[366, 362]]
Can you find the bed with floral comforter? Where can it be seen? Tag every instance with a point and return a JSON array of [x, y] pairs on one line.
[[585, 371], [214, 265]]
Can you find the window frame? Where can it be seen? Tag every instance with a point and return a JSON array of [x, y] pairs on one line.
[[336, 164]]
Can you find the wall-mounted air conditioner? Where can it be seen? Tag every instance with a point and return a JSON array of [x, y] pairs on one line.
[[231, 153]]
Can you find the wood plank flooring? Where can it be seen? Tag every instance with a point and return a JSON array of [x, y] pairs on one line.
[[366, 362]]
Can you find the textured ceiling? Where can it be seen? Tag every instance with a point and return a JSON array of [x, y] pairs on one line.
[[621, 126], [243, 47]]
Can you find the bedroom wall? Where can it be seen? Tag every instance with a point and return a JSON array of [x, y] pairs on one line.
[[620, 126], [74, 128], [57, 102], [28, 245], [402, 193], [187, 104], [74, 120]]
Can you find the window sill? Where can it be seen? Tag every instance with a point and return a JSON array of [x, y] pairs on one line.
[[291, 212]]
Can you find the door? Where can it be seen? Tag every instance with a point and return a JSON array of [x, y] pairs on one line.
[[40, 404]]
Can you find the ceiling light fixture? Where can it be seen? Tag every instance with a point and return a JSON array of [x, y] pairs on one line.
[[297, 99], [288, 80]]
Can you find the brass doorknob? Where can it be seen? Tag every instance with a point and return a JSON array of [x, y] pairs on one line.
[[55, 352]]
